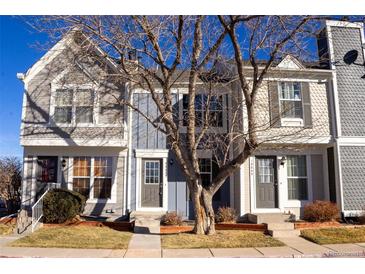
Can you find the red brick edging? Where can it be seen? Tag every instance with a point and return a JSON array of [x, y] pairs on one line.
[[221, 226]]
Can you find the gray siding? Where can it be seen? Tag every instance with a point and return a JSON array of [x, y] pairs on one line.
[[353, 177], [350, 86], [37, 122], [145, 136]]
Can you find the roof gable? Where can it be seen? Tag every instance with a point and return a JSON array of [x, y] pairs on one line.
[[290, 62]]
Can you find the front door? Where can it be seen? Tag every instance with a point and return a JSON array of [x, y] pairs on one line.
[[266, 182], [151, 185]]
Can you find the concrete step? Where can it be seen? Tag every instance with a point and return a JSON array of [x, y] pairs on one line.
[[146, 222], [284, 233], [280, 226], [260, 218]]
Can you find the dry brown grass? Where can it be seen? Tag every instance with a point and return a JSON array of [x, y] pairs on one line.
[[6, 229], [76, 237], [335, 235], [222, 239]]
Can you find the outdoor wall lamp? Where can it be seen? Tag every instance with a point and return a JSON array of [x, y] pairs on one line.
[[63, 163], [283, 160]]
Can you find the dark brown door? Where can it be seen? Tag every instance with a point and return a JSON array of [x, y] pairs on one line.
[[266, 182], [151, 185]]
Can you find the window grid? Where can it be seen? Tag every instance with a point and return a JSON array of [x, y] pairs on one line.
[[205, 166], [215, 110], [290, 96], [102, 177], [266, 172], [81, 175], [92, 176], [152, 172], [74, 105], [297, 177]]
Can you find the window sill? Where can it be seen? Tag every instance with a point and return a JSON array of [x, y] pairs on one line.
[[292, 122], [101, 201]]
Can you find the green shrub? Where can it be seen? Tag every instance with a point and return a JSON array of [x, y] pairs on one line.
[[226, 215], [171, 218], [61, 205], [321, 211]]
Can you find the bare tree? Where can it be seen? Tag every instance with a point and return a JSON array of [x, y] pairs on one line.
[[10, 182], [213, 56]]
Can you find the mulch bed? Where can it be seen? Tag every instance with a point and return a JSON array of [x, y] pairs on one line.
[[222, 226], [8, 221], [312, 225]]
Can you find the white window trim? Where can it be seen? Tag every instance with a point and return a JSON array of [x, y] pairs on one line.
[[223, 129], [159, 171], [91, 199], [291, 121], [283, 201], [54, 87], [151, 154]]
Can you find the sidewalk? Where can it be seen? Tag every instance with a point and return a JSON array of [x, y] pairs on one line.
[[149, 246]]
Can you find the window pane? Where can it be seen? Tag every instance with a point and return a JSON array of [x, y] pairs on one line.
[[82, 186], [297, 166], [297, 189], [216, 119], [152, 172], [62, 114], [291, 109], [63, 97], [216, 103], [81, 166], [84, 97], [84, 115], [205, 164], [103, 167], [102, 188]]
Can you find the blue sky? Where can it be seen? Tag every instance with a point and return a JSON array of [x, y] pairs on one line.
[[16, 55]]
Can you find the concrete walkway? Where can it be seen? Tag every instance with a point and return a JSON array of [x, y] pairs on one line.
[[149, 246]]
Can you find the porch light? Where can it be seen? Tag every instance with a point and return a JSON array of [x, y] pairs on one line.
[[283, 160], [63, 163]]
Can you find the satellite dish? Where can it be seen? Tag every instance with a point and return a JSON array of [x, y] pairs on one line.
[[350, 57]]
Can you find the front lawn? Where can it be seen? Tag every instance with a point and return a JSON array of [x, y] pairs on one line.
[[76, 237], [222, 239], [335, 235], [6, 229]]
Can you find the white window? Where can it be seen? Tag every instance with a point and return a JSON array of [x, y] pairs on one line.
[[102, 177], [290, 95], [63, 106], [202, 106], [205, 165], [92, 176], [297, 177], [84, 102], [73, 106], [152, 172], [81, 175]]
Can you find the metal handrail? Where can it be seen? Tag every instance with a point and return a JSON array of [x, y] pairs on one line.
[[37, 211]]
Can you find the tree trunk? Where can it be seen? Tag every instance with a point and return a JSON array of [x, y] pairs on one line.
[[207, 198], [199, 212]]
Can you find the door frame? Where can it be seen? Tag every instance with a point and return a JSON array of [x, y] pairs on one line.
[[254, 208], [151, 154]]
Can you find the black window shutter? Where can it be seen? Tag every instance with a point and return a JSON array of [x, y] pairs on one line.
[[274, 104], [307, 112]]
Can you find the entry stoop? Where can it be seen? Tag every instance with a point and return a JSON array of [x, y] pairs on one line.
[[278, 224], [265, 218], [146, 222], [282, 230]]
